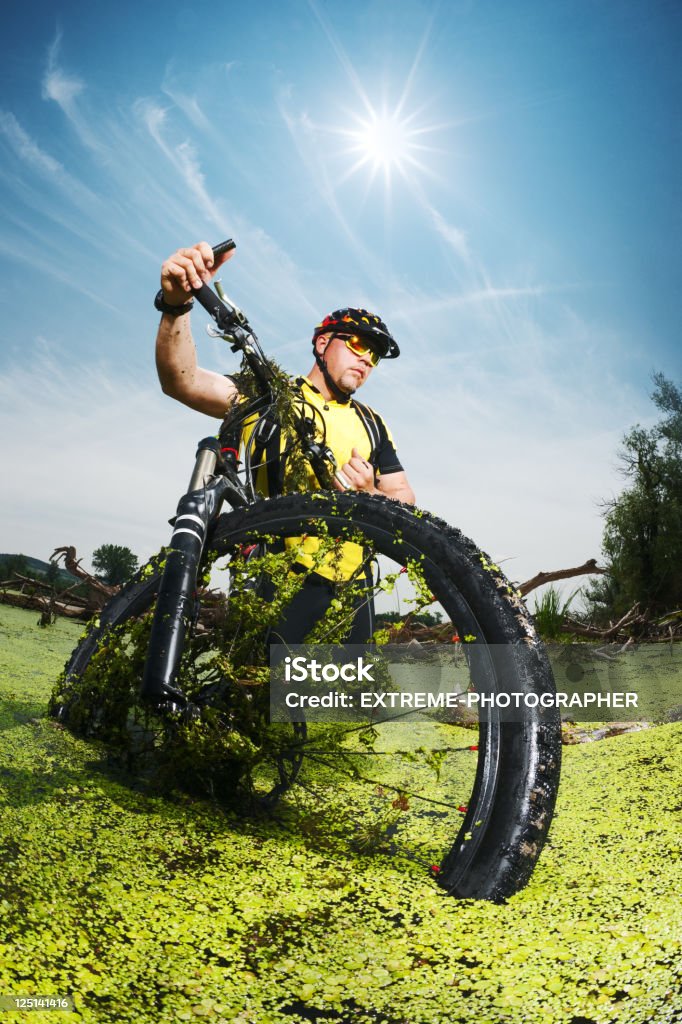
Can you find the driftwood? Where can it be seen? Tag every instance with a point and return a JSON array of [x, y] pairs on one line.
[[633, 617], [34, 584], [444, 631], [49, 605], [45, 598], [634, 626], [587, 569], [73, 565]]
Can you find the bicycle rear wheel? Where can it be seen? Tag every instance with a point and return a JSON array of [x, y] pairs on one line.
[[491, 801]]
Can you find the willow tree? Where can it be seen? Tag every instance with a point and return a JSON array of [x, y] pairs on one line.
[[642, 540]]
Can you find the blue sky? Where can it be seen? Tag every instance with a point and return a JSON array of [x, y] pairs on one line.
[[499, 181]]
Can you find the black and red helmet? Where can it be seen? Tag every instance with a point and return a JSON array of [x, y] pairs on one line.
[[366, 325]]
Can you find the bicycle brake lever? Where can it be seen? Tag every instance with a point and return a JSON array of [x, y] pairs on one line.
[[236, 312], [324, 464], [216, 332]]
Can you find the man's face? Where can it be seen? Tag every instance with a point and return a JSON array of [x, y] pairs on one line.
[[348, 370]]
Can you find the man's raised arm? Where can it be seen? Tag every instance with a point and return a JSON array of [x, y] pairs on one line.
[[176, 357]]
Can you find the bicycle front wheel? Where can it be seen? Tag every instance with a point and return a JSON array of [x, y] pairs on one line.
[[220, 754], [481, 822]]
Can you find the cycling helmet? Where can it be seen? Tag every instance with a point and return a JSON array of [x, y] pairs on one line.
[[366, 325]]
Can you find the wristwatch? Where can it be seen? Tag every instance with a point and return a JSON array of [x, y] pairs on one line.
[[165, 307]]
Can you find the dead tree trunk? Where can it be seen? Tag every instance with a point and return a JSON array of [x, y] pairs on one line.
[[99, 593]]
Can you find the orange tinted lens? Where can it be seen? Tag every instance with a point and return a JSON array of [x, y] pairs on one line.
[[360, 349]]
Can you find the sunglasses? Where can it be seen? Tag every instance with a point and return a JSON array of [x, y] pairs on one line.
[[358, 347]]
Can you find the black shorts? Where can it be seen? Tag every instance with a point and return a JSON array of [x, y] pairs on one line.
[[310, 604]]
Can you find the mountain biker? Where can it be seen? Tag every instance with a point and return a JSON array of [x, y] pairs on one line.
[[347, 345]]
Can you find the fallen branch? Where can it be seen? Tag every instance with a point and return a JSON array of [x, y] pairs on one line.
[[36, 603], [633, 627], [628, 619], [589, 568], [49, 588], [580, 629], [38, 584]]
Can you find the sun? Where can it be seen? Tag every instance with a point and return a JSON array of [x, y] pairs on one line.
[[386, 141]]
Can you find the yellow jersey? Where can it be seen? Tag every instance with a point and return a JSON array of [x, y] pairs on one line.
[[347, 425]]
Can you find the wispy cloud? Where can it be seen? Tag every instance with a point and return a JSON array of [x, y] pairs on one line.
[[20, 249], [95, 221], [64, 89], [185, 99], [455, 237], [271, 279], [28, 150], [415, 305], [183, 158], [157, 184]]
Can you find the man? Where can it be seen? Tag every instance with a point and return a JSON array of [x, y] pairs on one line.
[[347, 345]]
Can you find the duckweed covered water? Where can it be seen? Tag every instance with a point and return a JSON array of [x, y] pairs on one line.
[[146, 907]]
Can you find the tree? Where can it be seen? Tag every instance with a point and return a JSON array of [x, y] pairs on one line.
[[114, 563], [643, 526], [12, 564], [52, 574]]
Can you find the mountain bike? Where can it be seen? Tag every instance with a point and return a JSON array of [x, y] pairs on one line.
[[180, 667]]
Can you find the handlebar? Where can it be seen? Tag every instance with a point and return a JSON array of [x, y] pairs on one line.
[[232, 323], [225, 315]]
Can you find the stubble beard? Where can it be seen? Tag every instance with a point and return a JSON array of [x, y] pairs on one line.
[[349, 382]]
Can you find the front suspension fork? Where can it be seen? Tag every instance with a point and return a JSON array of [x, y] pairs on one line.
[[177, 593]]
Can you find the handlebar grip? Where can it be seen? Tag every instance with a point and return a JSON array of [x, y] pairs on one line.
[[226, 316], [222, 247], [206, 297], [214, 306]]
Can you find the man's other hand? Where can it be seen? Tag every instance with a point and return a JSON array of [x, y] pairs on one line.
[[359, 473]]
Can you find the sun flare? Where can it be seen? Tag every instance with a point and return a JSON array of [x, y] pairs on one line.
[[386, 141]]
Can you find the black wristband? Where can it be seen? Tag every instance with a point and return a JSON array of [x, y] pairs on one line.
[[165, 307]]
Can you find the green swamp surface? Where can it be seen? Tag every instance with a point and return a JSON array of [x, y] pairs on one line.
[[146, 907]]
